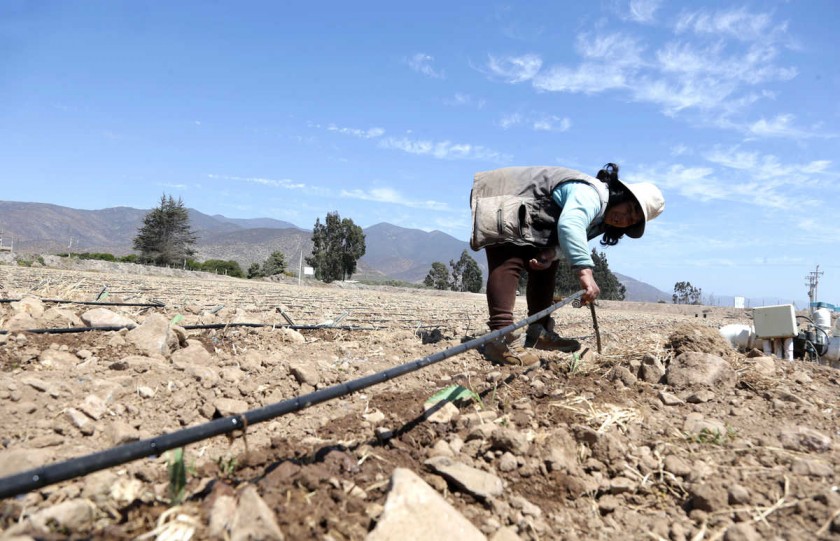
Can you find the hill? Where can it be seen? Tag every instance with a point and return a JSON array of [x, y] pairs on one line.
[[393, 252]]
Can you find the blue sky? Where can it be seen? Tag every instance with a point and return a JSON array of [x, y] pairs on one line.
[[383, 111]]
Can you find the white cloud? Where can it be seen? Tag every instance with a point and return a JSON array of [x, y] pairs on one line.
[[276, 183], [370, 133], [515, 69], [643, 11], [444, 149], [509, 120], [392, 196], [615, 50], [552, 123], [715, 65], [586, 78], [422, 63], [780, 126], [466, 100], [743, 177], [735, 23]]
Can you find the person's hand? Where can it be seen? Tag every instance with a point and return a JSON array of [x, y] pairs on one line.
[[543, 260], [587, 283]]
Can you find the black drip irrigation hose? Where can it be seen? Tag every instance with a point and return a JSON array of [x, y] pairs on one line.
[[95, 303], [69, 330], [20, 483]]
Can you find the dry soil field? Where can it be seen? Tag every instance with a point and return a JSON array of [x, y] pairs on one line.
[[668, 434]]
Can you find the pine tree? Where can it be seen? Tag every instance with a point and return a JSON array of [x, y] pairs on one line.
[[275, 264], [466, 274], [438, 276], [166, 237], [611, 288], [337, 246], [255, 271]]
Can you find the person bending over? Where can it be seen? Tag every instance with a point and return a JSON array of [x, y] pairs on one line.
[[526, 219]]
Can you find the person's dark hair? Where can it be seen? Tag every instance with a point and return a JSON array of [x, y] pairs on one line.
[[618, 194]]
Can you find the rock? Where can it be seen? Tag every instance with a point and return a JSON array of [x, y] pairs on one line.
[[742, 532], [441, 448], [305, 373], [119, 433], [509, 440], [57, 360], [812, 467], [800, 438], [416, 512], [709, 497], [94, 407], [701, 397], [691, 369], [59, 317], [18, 460], [253, 519], [677, 466], [221, 516], [651, 370], [28, 305], [762, 365], [505, 533], [670, 399], [695, 423], [79, 420], [20, 322], [102, 317], [230, 406], [508, 462], [527, 508], [154, 336], [442, 412], [71, 516], [193, 354], [623, 374], [476, 482], [739, 495], [291, 335], [562, 451]]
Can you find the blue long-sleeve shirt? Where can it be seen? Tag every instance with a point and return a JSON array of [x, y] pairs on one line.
[[581, 205]]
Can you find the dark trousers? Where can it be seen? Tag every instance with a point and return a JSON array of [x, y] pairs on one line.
[[506, 263]]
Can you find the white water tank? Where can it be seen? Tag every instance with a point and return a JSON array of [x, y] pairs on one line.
[[833, 353], [740, 336], [822, 319]]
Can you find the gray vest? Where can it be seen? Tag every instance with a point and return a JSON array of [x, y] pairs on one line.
[[514, 205]]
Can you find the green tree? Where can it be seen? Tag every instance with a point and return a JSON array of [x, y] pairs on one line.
[[567, 282], [438, 276], [166, 237], [220, 266], [338, 245], [685, 293], [466, 274], [611, 288], [275, 264], [255, 271]]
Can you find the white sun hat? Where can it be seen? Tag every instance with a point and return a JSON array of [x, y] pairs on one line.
[[650, 200]]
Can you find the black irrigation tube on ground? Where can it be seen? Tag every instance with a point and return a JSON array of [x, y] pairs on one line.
[[70, 330], [20, 483], [95, 303]]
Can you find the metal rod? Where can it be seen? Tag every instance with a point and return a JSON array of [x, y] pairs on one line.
[[23, 482], [595, 324]]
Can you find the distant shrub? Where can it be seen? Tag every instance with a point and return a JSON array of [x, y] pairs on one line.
[[229, 268], [131, 258], [90, 255]]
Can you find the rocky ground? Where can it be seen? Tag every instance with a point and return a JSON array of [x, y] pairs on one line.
[[668, 433]]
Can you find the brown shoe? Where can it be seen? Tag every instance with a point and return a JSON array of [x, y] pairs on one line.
[[508, 350], [539, 337]]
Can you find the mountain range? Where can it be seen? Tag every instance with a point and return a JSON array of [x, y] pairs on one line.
[[392, 252]]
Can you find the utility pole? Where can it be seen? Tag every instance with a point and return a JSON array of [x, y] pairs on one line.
[[813, 283]]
